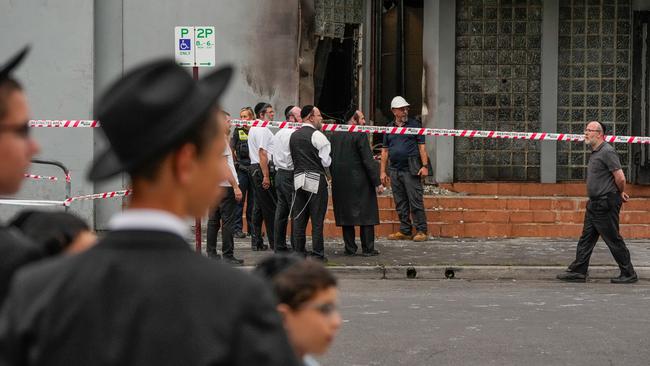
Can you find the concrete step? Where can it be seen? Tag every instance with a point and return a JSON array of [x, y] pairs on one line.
[[572, 189]]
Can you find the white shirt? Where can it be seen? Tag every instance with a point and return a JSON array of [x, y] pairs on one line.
[[320, 142], [280, 149], [149, 219], [231, 164], [259, 138]]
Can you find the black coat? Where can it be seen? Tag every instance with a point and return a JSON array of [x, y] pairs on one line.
[[355, 175], [140, 298], [16, 251]]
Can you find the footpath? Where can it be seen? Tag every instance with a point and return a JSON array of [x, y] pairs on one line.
[[469, 259]]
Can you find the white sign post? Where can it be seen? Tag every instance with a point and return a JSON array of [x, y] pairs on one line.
[[194, 46]]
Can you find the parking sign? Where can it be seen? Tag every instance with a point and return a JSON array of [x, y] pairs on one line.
[[194, 46]]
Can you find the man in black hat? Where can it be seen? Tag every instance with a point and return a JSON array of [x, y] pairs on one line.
[[16, 150], [310, 151], [141, 296], [355, 185]]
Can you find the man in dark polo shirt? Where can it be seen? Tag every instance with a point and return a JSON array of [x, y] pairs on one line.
[[408, 164], [606, 191]]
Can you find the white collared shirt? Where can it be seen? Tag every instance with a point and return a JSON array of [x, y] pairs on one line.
[[259, 138], [231, 164], [280, 149], [320, 142], [149, 219]]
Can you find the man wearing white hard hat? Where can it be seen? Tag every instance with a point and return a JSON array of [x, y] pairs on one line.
[[408, 164]]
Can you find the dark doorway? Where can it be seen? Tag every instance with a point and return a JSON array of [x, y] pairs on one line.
[[334, 75], [397, 56]]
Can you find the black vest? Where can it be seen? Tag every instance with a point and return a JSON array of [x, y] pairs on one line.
[[303, 153], [241, 146]]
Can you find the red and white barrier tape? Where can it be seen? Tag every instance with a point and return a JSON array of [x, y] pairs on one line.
[[40, 177], [98, 196], [537, 136], [66, 203], [63, 123]]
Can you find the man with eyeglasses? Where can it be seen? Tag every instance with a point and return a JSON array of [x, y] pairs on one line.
[[16, 150], [408, 165], [310, 151], [606, 191]]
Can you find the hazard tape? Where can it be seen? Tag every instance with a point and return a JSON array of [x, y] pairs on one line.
[[67, 202], [40, 177], [98, 196], [391, 130], [63, 123]]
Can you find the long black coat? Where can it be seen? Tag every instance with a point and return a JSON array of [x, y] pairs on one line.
[[15, 251], [354, 177], [140, 298]]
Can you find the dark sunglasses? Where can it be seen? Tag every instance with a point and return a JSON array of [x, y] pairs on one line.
[[21, 131]]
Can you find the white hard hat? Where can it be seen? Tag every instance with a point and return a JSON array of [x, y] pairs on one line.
[[398, 102]]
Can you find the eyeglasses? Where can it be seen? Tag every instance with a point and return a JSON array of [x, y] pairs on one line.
[[326, 309], [22, 131]]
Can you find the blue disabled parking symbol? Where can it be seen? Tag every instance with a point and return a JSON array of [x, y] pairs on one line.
[[184, 44]]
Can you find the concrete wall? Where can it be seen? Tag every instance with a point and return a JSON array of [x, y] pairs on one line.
[[58, 78], [79, 47]]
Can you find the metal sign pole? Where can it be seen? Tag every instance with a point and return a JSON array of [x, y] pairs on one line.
[[197, 223]]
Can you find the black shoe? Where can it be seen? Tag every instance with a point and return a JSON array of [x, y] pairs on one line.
[[239, 235], [261, 248], [572, 277], [233, 261], [214, 256], [372, 253], [282, 250], [319, 258], [625, 279], [349, 254], [248, 234]]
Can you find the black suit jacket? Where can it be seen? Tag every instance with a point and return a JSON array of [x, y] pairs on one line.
[[140, 298], [15, 251]]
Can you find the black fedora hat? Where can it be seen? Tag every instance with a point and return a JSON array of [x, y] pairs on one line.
[[150, 109], [14, 61]]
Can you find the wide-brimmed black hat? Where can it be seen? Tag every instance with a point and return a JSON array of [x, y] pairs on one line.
[[14, 61], [149, 110]]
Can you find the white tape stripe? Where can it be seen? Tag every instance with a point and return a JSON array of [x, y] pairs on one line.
[[540, 136]]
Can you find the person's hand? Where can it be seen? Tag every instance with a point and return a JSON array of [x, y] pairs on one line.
[[625, 196], [385, 179], [423, 172], [379, 189], [266, 183], [238, 194]]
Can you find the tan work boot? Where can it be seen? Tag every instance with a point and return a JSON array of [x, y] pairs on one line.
[[420, 236], [399, 236]]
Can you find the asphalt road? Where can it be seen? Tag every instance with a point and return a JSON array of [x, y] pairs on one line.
[[430, 322]]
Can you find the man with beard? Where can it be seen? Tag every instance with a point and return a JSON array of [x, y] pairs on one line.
[[408, 165], [355, 185], [310, 151], [606, 191]]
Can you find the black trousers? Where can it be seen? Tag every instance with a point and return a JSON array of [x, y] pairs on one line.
[[224, 213], [367, 234], [309, 205], [408, 194], [284, 191], [263, 210], [602, 219], [247, 197]]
